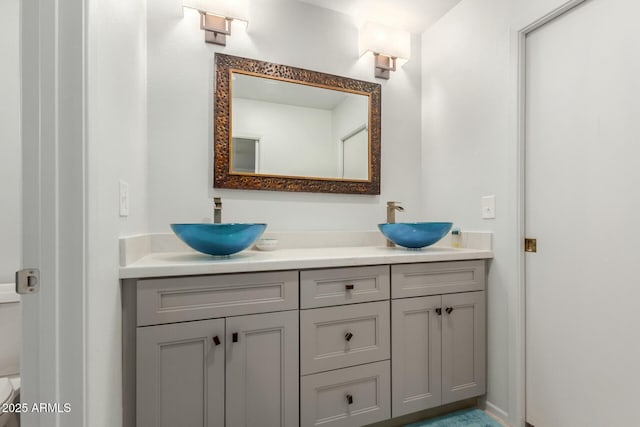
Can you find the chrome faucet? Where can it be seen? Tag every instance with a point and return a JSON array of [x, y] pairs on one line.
[[217, 210], [392, 207]]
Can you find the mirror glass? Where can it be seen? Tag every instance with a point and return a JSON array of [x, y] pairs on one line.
[[281, 128]]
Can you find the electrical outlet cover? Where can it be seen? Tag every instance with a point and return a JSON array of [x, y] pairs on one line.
[[489, 207]]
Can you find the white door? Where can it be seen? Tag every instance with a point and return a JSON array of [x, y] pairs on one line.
[[53, 211], [582, 206], [355, 155]]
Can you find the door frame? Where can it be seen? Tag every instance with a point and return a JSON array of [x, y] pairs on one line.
[[53, 73], [517, 334]]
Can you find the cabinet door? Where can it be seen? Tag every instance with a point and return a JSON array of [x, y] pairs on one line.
[[180, 375], [415, 345], [463, 346], [262, 370]]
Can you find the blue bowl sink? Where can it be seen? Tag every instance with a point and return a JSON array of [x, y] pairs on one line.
[[415, 235], [219, 239]]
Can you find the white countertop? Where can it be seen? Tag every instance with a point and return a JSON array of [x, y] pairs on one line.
[[164, 264]]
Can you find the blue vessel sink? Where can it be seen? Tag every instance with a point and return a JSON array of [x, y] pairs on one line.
[[219, 239], [415, 235]]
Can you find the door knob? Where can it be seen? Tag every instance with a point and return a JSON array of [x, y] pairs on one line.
[[349, 399], [349, 287], [439, 311], [216, 340], [348, 336], [234, 337], [449, 310]]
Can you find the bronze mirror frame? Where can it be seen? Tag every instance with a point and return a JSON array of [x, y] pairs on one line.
[[225, 178]]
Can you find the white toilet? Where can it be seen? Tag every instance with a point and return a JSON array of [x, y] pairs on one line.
[[9, 353]]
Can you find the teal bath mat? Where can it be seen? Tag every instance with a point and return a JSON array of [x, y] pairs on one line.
[[466, 418]]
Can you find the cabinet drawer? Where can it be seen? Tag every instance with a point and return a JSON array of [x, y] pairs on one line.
[[412, 280], [203, 297], [337, 286], [337, 337], [325, 396]]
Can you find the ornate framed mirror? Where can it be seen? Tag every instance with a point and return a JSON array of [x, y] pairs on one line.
[[284, 128]]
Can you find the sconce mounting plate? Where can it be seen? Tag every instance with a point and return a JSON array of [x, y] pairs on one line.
[[216, 28], [384, 64]]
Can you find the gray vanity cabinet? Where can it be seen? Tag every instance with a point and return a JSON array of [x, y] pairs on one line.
[[340, 347], [438, 341], [214, 351]]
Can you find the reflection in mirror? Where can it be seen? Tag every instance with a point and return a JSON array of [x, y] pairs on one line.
[[284, 128], [245, 155], [291, 129], [354, 148]]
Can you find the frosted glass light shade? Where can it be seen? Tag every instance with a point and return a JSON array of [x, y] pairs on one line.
[[385, 40], [236, 9]]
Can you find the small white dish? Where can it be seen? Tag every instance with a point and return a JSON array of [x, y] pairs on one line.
[[267, 244]]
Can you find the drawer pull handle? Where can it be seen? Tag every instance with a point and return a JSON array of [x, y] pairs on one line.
[[234, 337], [449, 310], [348, 336], [216, 340], [439, 311], [349, 287], [349, 399]]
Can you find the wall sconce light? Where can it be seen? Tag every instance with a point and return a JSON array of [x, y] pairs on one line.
[[387, 45], [216, 17]]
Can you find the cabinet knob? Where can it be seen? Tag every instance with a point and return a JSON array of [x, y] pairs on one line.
[[348, 336], [449, 310], [216, 340], [349, 399], [234, 337], [349, 286], [439, 311]]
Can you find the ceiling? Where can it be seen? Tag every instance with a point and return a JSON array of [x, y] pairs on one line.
[[282, 92], [411, 15]]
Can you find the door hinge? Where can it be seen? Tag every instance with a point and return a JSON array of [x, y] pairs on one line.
[[530, 245], [28, 281]]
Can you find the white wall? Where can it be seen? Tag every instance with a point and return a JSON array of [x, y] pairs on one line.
[[10, 156], [294, 140], [469, 150], [116, 150], [180, 103]]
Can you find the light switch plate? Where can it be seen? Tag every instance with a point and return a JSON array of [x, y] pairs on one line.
[[124, 198], [489, 207]]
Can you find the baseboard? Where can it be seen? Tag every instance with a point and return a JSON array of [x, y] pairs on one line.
[[496, 412], [428, 413]]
